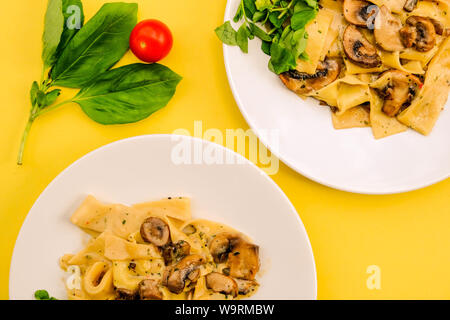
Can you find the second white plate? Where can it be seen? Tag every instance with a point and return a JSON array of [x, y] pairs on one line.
[[143, 169], [350, 160]]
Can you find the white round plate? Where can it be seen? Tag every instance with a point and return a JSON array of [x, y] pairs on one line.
[[350, 160], [141, 169]]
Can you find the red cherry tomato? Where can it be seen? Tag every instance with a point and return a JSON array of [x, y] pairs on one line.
[[151, 40]]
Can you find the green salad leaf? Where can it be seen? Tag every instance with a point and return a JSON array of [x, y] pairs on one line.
[[73, 21], [227, 34], [128, 94], [285, 38], [43, 295], [98, 46], [53, 29]]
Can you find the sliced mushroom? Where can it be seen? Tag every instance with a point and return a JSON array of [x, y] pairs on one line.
[[189, 229], [221, 283], [358, 49], [440, 28], [420, 33], [303, 83], [410, 5], [357, 12], [387, 30], [126, 294], [245, 286], [175, 277], [399, 89], [156, 231], [175, 252], [148, 290], [220, 246], [243, 260]]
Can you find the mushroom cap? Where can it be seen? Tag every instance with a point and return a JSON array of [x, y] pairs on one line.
[[420, 32], [303, 83], [397, 88], [387, 30], [175, 252], [156, 231], [175, 277], [410, 5], [245, 286], [358, 49], [243, 260], [126, 294], [220, 246], [148, 290], [357, 12], [221, 283]]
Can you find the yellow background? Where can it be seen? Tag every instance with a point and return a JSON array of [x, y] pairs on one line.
[[406, 235]]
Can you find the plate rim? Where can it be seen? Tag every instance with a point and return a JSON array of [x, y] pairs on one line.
[[291, 164], [171, 136]]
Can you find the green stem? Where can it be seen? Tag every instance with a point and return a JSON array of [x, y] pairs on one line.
[[33, 115], [43, 111], [25, 134]]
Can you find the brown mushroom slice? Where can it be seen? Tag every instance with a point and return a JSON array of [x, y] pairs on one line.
[[245, 286], [399, 88], [357, 12], [156, 231], [420, 33], [126, 294], [174, 252], [440, 28], [148, 290], [220, 246], [358, 49], [387, 30], [243, 260], [221, 283], [175, 277], [303, 83], [410, 5]]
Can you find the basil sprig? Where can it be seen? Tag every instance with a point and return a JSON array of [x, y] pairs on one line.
[[78, 55], [285, 38]]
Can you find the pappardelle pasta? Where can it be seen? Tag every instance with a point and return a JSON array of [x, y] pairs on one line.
[[156, 251], [383, 64]]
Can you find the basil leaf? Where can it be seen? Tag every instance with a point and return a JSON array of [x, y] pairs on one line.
[[263, 4], [265, 47], [43, 295], [98, 46], [33, 92], [249, 8], [282, 59], [312, 3], [259, 32], [73, 21], [51, 97], [53, 28], [238, 14], [227, 34], [242, 38], [273, 17], [128, 94], [300, 19]]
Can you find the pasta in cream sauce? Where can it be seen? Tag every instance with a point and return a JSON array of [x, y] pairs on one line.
[[156, 251], [383, 64]]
